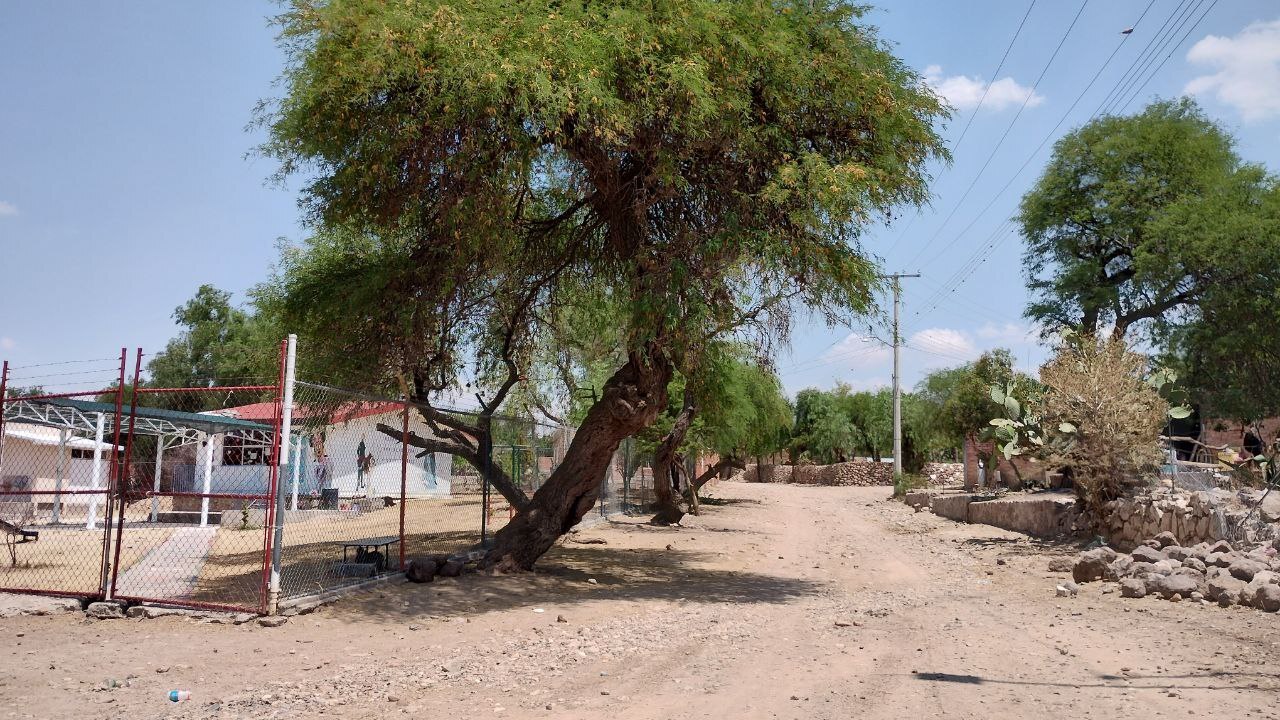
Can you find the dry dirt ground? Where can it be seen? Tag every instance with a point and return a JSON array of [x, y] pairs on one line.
[[778, 602]]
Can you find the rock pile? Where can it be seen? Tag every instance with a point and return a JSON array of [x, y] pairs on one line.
[[1215, 572], [426, 569], [862, 474]]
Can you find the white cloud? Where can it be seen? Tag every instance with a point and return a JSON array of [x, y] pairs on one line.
[[1248, 70], [1010, 333], [857, 350], [7, 343], [944, 341], [7, 208], [964, 92]]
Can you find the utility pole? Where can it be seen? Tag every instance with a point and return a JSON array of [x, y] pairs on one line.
[[897, 373]]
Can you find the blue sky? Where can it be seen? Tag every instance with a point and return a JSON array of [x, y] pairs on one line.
[[124, 181]]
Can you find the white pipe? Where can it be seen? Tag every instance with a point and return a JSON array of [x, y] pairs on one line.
[[208, 477], [155, 485], [286, 429], [92, 522], [295, 465], [63, 435], [286, 421]]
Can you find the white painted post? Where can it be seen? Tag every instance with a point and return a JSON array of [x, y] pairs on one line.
[[155, 485], [208, 478], [286, 429], [63, 435], [101, 430], [295, 465]]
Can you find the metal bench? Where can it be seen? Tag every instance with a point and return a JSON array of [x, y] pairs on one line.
[[14, 517]]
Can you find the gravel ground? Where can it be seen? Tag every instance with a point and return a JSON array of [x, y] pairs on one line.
[[778, 602]]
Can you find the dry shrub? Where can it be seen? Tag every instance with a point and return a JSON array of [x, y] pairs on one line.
[[1099, 387]]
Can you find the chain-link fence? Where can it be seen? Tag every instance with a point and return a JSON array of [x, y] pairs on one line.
[[199, 479], [59, 455], [227, 497], [373, 481]]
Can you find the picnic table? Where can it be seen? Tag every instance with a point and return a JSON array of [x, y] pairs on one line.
[[367, 547]]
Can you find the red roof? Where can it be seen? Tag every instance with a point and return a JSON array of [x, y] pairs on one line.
[[265, 411]]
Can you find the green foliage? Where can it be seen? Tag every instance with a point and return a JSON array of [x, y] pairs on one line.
[[957, 403], [18, 391], [474, 164], [218, 344], [1228, 355], [907, 482], [838, 425], [1136, 219], [741, 409]]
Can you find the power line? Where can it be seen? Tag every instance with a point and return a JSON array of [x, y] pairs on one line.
[[994, 76], [1098, 73], [985, 90], [1009, 128], [1141, 57], [1172, 50]]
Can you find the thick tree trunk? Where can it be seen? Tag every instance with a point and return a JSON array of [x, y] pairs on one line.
[[630, 402], [666, 465]]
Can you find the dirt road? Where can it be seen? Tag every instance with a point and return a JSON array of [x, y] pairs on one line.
[[778, 602]]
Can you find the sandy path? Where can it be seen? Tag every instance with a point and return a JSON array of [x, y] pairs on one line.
[[733, 616]]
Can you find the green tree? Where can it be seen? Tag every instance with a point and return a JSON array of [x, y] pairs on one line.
[[1132, 221], [18, 391], [1228, 354], [706, 162], [731, 406], [218, 344], [823, 432]]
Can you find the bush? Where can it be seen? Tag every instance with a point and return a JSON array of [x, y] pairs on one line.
[[907, 482], [1097, 394]]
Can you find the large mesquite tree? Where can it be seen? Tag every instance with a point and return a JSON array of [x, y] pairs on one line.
[[1137, 218], [710, 163]]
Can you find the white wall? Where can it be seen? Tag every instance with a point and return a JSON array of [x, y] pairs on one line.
[[342, 441]]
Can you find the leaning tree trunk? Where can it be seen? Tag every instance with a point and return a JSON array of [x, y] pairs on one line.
[[718, 469], [630, 402], [666, 465]]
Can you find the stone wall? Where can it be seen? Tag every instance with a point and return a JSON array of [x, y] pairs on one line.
[[1192, 517], [850, 473]]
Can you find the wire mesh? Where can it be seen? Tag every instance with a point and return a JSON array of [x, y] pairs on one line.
[[172, 498], [374, 481], [359, 499], [197, 496], [58, 457]]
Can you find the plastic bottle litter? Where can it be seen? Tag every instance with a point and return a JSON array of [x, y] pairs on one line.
[[179, 695]]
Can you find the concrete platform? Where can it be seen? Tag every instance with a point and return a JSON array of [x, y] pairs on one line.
[[1041, 514]]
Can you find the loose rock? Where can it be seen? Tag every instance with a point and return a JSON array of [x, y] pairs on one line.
[[104, 611]]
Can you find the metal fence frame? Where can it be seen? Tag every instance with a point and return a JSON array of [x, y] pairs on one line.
[[531, 452]]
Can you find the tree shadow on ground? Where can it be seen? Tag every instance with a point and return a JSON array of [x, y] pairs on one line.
[[1215, 680], [563, 579], [721, 502], [1026, 545]]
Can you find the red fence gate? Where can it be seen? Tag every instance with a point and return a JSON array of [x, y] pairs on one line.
[[165, 497], [57, 467]]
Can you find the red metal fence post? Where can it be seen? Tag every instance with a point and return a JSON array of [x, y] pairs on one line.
[[4, 394], [404, 475], [123, 480], [113, 469], [274, 478]]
